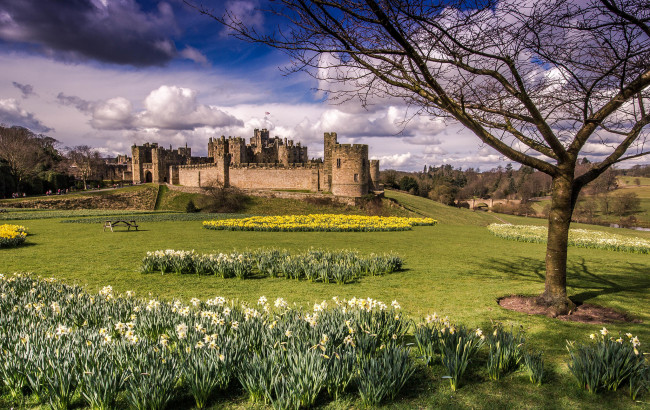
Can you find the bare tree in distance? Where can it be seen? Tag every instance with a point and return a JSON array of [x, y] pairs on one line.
[[86, 160], [24, 152], [543, 82]]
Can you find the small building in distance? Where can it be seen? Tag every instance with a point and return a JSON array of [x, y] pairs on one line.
[[264, 163]]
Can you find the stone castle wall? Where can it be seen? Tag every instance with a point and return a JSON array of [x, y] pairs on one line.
[[299, 178], [199, 175], [265, 163]]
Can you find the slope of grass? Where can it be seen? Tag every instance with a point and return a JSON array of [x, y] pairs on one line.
[[141, 197], [444, 214], [632, 181], [456, 268]]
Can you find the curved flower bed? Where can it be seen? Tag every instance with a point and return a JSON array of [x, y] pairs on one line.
[[12, 235], [583, 238], [318, 222]]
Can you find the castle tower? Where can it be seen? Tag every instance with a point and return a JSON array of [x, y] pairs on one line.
[[329, 142], [142, 166], [185, 151], [223, 169], [350, 170], [159, 169], [136, 158], [284, 155], [260, 138], [374, 175], [237, 150]]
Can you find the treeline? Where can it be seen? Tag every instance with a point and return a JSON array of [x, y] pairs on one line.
[[33, 164], [454, 186]]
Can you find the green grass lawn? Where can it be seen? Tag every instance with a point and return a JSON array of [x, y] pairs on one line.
[[456, 268]]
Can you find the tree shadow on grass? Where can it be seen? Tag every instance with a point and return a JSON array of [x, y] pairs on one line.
[[585, 278], [22, 245]]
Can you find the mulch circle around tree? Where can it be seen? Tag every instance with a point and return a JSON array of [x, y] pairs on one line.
[[584, 313]]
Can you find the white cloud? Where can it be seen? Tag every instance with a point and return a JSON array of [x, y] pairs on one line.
[[112, 114], [395, 160], [435, 149], [11, 113], [245, 11], [195, 55], [176, 108]]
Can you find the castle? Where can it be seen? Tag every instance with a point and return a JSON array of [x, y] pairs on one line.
[[263, 163]]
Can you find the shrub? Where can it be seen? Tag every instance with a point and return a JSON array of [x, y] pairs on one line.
[[204, 369], [258, 374], [340, 372], [606, 362], [304, 376], [151, 375], [626, 203], [384, 375], [190, 207], [222, 199], [12, 235], [457, 354], [535, 366], [505, 353], [102, 377]]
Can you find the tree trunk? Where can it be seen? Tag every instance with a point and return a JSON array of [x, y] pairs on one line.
[[559, 219]]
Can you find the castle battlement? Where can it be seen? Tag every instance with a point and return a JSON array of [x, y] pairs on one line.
[[351, 147], [278, 165], [196, 166]]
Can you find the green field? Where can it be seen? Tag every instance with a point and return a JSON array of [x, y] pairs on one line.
[[625, 184], [456, 268]]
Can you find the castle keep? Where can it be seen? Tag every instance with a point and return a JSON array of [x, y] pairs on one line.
[[263, 163]]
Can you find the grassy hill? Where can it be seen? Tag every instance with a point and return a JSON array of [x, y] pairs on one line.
[[625, 184], [443, 213], [456, 268], [138, 197], [149, 197]]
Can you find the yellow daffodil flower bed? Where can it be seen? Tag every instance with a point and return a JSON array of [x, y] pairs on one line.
[[318, 222], [577, 237], [12, 235]]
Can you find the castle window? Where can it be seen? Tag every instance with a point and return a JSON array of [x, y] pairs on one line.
[[356, 177], [338, 163]]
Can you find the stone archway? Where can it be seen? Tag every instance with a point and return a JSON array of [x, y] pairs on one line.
[[148, 177]]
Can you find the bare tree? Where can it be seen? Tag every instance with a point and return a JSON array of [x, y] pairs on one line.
[[219, 198], [24, 152], [86, 160], [626, 203], [543, 82]]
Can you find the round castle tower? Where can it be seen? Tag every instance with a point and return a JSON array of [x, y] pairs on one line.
[[350, 170]]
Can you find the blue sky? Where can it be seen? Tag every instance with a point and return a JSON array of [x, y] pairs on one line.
[[111, 73]]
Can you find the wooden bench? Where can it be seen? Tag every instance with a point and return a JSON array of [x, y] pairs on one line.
[[129, 224]]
